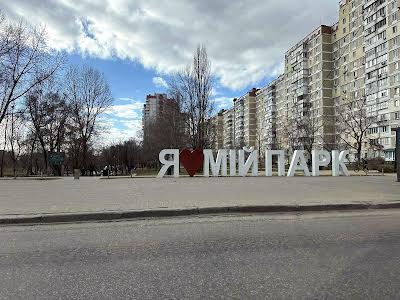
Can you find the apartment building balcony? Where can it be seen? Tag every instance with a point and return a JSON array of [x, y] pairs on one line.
[[302, 91], [371, 80]]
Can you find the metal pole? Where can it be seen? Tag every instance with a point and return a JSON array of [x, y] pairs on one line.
[[397, 154]]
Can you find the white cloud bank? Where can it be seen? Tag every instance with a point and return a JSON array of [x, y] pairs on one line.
[[246, 40], [122, 122], [160, 82]]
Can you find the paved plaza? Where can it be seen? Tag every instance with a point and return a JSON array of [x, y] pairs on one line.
[[97, 195]]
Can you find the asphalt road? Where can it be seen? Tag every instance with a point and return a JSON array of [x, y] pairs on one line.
[[312, 256]]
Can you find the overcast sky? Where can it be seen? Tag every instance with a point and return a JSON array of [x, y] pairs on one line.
[[138, 43]]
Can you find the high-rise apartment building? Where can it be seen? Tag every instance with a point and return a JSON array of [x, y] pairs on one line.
[[266, 99], [217, 131], [154, 107], [308, 105], [358, 58], [349, 66], [245, 120], [228, 129], [238, 119], [250, 118], [382, 43], [282, 112]]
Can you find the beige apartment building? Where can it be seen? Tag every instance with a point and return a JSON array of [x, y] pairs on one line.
[[217, 131], [349, 61], [306, 112], [266, 100], [238, 122], [282, 112], [356, 58], [367, 65], [250, 118], [228, 129], [245, 120], [154, 107], [382, 41]]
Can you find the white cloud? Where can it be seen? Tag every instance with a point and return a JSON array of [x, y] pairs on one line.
[[222, 103], [246, 40], [125, 111], [160, 82], [126, 99], [121, 122]]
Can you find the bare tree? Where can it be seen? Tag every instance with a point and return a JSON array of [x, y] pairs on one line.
[[15, 136], [353, 124], [4, 131], [48, 114], [89, 96], [307, 132], [25, 61], [193, 87], [165, 131]]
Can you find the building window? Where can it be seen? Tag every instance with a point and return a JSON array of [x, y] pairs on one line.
[[394, 29]]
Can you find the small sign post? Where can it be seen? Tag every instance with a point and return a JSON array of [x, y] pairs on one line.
[[56, 160]]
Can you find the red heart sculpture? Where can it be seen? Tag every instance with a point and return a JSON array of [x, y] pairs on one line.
[[192, 161]]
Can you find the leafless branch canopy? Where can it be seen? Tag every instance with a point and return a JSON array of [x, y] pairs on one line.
[[353, 123], [25, 61], [192, 87]]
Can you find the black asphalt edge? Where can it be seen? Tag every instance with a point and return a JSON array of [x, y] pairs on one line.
[[157, 213]]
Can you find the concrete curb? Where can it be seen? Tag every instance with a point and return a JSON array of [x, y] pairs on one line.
[[159, 213]]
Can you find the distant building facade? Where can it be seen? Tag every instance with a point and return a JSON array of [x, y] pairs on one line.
[[356, 58], [154, 107]]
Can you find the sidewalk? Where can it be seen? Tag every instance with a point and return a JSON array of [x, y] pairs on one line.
[[19, 198]]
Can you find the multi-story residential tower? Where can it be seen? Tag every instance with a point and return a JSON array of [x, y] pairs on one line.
[[266, 117], [394, 75], [349, 61], [228, 129], [377, 83], [389, 117], [245, 120], [238, 127], [355, 60], [282, 112], [309, 80], [154, 107], [217, 131], [250, 118]]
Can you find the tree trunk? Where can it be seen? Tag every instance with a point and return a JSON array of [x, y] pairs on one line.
[[30, 166], [45, 158], [2, 163], [359, 149]]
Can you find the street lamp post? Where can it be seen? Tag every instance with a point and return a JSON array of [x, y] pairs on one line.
[[397, 152]]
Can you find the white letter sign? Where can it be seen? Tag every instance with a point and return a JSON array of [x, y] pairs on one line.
[[268, 162], [222, 158], [298, 163], [169, 163], [251, 160], [338, 165], [320, 158]]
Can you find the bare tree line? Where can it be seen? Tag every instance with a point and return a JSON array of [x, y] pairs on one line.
[[192, 88], [185, 121], [45, 106], [352, 124], [48, 108]]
